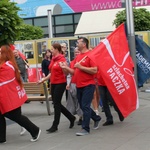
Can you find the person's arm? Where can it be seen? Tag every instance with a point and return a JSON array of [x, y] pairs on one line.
[[89, 70], [68, 81], [26, 62], [44, 79], [66, 69]]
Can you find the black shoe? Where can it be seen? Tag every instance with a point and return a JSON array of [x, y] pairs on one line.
[[35, 138], [107, 123], [121, 118], [27, 101], [79, 122], [2, 141], [72, 122], [52, 129]]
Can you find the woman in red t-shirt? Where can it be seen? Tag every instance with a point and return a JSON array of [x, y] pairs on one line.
[[58, 86]]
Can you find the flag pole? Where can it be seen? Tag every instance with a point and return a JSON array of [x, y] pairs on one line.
[[82, 59], [131, 34]]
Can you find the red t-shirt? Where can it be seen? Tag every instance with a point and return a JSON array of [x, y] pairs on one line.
[[82, 78], [57, 75]]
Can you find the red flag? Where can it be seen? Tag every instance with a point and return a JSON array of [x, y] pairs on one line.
[[116, 67], [21, 54], [12, 47], [34, 74]]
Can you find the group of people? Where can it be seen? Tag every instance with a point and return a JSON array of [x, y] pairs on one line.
[[77, 76], [80, 77]]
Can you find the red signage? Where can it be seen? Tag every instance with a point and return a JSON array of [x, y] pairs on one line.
[[34, 74]]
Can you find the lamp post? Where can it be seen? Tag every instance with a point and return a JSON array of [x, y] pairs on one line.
[[130, 32], [50, 28]]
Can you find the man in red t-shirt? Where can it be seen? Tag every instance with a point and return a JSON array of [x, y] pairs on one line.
[[84, 70]]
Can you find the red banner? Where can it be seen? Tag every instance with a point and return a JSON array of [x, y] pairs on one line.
[[21, 54], [34, 74], [116, 67]]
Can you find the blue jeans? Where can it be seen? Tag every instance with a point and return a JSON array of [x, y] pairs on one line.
[[85, 96]]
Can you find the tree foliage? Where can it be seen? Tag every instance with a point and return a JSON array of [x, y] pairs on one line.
[[29, 32], [9, 22], [12, 27], [141, 19]]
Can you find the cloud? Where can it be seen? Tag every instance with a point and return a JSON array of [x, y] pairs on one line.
[[19, 1]]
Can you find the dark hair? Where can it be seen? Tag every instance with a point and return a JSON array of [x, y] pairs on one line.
[[7, 55], [48, 50], [57, 46], [85, 40]]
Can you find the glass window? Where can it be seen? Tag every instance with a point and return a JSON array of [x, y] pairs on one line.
[[28, 21], [77, 18], [45, 29], [53, 20], [41, 22], [63, 19], [62, 29], [63, 34], [76, 26], [94, 41]]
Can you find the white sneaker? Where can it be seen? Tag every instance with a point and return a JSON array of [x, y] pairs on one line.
[[23, 130], [34, 139]]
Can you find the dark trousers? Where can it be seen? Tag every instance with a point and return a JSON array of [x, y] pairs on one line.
[[23, 121], [57, 91], [106, 99], [85, 96]]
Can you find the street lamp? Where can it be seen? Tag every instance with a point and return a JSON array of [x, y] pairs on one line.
[[50, 26], [130, 31], [131, 34]]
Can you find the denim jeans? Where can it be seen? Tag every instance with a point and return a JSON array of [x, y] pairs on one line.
[[85, 96]]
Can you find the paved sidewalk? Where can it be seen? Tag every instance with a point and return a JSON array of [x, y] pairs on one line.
[[132, 134]]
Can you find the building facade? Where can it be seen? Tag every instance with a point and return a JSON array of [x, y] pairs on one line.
[[65, 13]]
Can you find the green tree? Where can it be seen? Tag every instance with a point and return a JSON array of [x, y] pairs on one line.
[[12, 27], [141, 19], [29, 32], [9, 22]]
